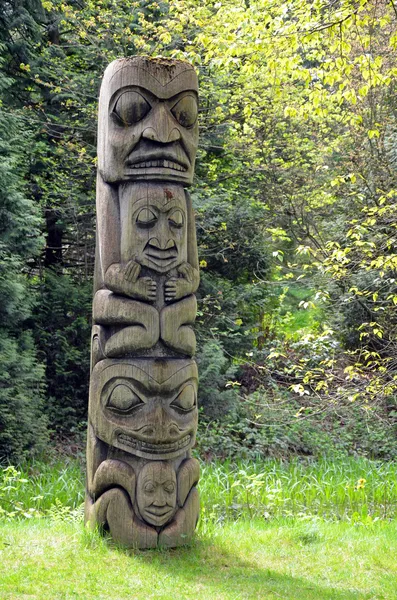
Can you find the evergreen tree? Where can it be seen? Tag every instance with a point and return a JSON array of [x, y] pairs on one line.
[[22, 424]]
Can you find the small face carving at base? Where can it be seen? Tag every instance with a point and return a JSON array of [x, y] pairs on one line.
[[156, 493]]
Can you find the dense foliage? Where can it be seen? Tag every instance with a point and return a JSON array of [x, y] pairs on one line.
[[295, 198], [22, 421]]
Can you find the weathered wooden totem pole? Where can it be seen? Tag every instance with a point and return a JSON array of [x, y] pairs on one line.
[[141, 479]]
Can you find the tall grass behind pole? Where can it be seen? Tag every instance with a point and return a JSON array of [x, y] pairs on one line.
[[350, 489]]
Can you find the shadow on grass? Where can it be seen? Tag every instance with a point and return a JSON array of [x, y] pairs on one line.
[[210, 566]]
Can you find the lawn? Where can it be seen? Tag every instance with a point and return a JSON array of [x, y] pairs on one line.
[[296, 560], [297, 530]]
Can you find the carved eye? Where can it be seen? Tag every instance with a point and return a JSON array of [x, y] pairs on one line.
[[169, 487], [185, 111], [123, 399], [186, 400], [131, 108], [149, 488], [176, 218], [146, 218]]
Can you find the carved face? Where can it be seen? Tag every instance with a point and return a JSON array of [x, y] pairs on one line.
[[147, 407], [156, 493], [148, 121], [153, 225]]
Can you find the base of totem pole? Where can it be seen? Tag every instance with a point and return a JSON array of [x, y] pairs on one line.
[[143, 420], [130, 532]]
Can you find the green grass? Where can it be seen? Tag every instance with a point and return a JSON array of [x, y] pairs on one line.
[[40, 486], [333, 490], [297, 318], [350, 489], [244, 560], [296, 530]]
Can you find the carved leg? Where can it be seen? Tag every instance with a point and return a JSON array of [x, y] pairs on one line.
[[113, 473], [96, 454], [88, 504], [175, 325], [188, 476], [114, 510], [141, 320], [181, 529]]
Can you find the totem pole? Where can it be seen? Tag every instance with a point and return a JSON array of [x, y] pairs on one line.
[[141, 479]]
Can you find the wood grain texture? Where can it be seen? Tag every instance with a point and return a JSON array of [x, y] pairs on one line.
[[141, 480], [147, 122]]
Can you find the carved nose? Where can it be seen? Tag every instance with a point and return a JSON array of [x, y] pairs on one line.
[[173, 430], [160, 500], [164, 130], [161, 239], [161, 134], [148, 430], [167, 431], [165, 246]]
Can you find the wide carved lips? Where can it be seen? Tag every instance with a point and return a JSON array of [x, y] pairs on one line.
[[158, 515], [159, 511], [154, 448], [155, 164], [161, 257], [157, 160]]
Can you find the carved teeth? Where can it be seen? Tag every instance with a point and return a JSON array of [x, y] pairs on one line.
[[154, 448], [158, 163], [124, 439]]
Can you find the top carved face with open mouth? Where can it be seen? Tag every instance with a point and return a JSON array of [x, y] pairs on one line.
[[161, 148], [148, 121]]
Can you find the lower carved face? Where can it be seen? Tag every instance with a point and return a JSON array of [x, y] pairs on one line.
[[156, 493], [145, 407], [153, 225]]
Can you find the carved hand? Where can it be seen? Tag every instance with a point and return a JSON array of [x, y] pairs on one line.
[[124, 279], [131, 271], [179, 287], [144, 288]]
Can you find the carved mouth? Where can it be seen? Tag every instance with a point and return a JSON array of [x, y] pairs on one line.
[[159, 448], [161, 254], [163, 264], [150, 154], [150, 164], [161, 258], [159, 511], [161, 261]]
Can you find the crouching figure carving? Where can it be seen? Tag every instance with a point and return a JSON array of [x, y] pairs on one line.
[[157, 507]]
